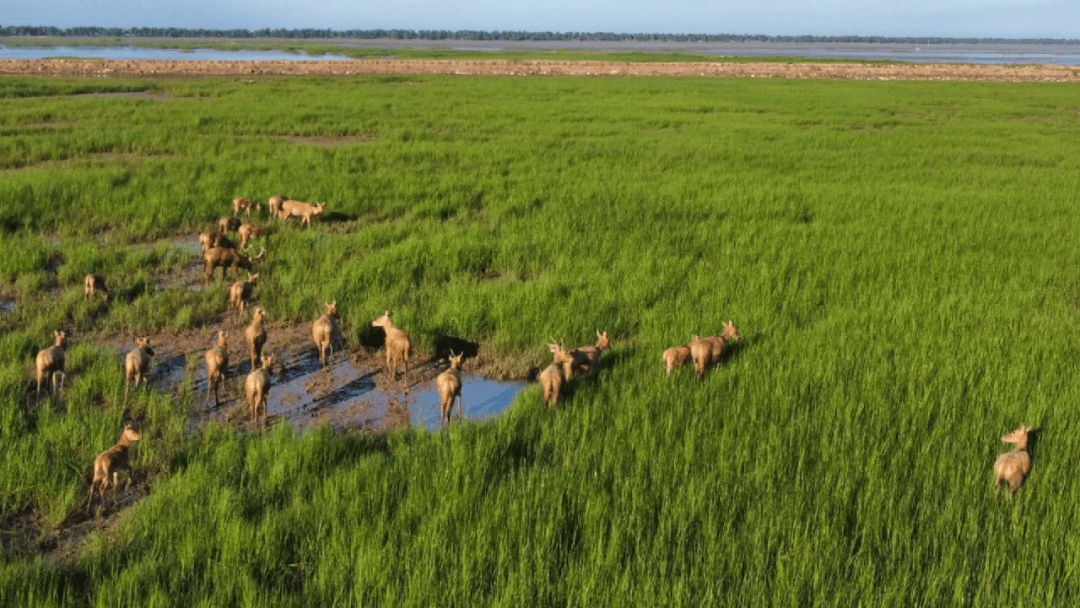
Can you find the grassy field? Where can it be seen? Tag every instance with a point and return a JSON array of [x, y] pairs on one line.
[[900, 259]]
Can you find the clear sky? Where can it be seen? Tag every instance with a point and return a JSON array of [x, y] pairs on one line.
[[956, 18]]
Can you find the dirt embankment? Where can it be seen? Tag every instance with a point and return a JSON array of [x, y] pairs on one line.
[[854, 71]]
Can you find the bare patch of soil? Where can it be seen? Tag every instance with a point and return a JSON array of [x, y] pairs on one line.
[[856, 71]]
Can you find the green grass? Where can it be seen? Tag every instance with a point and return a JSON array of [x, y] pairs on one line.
[[899, 257]]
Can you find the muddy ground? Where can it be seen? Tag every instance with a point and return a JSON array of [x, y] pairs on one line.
[[856, 71]]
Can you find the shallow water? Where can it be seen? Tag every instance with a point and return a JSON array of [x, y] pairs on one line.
[[345, 396], [132, 53]]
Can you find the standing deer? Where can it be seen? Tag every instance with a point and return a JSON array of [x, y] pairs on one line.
[[94, 283], [111, 462], [257, 388], [449, 385], [217, 366], [398, 347], [323, 331], [305, 211], [1013, 467], [255, 335], [553, 376], [587, 358], [275, 204], [50, 362], [137, 364], [241, 292], [708, 351]]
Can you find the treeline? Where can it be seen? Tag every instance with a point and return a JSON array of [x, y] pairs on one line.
[[401, 34]]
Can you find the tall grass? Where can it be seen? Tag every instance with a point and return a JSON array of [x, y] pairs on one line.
[[899, 258]]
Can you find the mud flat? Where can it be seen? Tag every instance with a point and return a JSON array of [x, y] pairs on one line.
[[850, 71]]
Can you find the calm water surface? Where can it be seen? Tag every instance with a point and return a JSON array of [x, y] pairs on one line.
[[991, 54], [132, 53]]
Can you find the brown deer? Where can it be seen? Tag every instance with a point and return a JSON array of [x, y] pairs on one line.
[[241, 292], [255, 335], [109, 464], [323, 331], [248, 232], [94, 283], [1013, 467], [227, 258], [228, 224], [245, 204], [213, 238], [257, 387], [137, 364], [449, 385], [275, 204], [587, 358], [217, 366], [553, 377], [676, 357], [305, 211], [398, 347], [50, 361], [708, 351]]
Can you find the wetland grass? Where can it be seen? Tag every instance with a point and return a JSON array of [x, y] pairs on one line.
[[899, 257]]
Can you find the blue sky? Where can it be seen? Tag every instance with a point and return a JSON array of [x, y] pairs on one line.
[[964, 18]]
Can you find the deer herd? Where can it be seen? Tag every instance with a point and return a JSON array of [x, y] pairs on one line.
[[218, 250]]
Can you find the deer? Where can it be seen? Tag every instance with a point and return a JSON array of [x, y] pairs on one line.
[[587, 358], [109, 464], [245, 204], [255, 335], [241, 292], [94, 283], [323, 331], [707, 351], [1013, 467], [398, 347], [248, 232], [449, 385], [275, 204], [228, 224], [137, 364], [305, 211], [213, 238], [553, 377], [50, 362], [227, 258], [257, 387], [676, 357], [217, 366]]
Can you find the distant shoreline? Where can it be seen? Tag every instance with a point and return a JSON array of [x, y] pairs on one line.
[[996, 53]]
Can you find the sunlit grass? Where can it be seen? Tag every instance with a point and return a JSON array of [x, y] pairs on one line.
[[899, 257]]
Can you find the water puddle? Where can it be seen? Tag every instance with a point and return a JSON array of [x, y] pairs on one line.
[[346, 395], [7, 305]]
